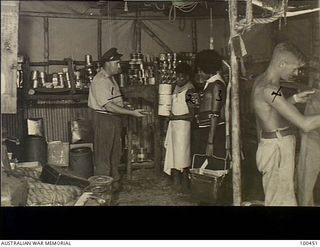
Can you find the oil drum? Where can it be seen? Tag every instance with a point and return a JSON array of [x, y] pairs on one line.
[[81, 162], [35, 149]]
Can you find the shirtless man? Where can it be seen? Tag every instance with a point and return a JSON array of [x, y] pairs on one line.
[[276, 150]]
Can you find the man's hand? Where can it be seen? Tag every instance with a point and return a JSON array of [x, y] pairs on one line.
[[140, 113], [303, 96], [209, 150]]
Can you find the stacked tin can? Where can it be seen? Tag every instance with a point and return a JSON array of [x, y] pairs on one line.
[[135, 71], [89, 69], [167, 77]]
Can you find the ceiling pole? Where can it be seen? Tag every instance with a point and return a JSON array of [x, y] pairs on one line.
[[155, 37], [78, 16], [194, 36], [46, 42], [99, 39], [235, 116], [138, 31]]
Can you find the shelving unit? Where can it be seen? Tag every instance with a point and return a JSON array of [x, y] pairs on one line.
[[146, 93]]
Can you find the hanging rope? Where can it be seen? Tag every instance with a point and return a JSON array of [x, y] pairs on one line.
[[182, 24], [159, 8], [243, 26], [227, 113], [172, 14], [109, 25], [183, 7], [285, 9], [211, 42], [278, 13], [249, 13]]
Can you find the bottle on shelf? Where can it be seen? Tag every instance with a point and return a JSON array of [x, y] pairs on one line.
[[42, 79], [20, 73], [34, 78], [67, 77]]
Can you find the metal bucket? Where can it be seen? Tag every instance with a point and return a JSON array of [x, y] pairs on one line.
[[210, 188], [101, 188], [81, 162]]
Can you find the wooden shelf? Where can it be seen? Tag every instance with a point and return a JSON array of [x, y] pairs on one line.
[[57, 97], [146, 92]]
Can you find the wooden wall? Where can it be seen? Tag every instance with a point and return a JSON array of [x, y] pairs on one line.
[[9, 52]]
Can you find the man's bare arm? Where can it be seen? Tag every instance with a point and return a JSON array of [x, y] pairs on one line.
[[289, 112], [301, 97], [218, 100]]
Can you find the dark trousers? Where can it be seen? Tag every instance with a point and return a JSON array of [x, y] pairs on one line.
[[107, 144]]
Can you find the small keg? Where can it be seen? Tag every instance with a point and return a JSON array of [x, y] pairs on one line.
[[81, 161], [35, 149]]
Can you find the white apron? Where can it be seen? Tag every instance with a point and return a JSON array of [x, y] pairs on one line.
[[177, 142]]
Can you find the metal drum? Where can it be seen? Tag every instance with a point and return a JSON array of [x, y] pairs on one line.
[[81, 162], [35, 149]]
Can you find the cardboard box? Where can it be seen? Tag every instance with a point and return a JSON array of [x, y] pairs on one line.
[[58, 153]]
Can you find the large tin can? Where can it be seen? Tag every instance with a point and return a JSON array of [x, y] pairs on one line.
[[61, 79], [162, 57], [34, 74]]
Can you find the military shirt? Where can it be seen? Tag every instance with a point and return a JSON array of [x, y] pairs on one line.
[[104, 89]]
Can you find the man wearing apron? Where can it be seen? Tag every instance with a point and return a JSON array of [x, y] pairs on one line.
[[209, 131], [177, 143]]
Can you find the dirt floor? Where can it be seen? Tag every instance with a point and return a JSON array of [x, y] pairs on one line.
[[144, 189]]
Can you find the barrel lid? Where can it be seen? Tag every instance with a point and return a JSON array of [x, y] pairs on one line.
[[100, 179]]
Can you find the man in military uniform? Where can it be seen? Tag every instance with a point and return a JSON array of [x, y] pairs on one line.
[[106, 102]]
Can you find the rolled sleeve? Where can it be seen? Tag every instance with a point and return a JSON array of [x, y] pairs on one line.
[[100, 92], [104, 89], [103, 92]]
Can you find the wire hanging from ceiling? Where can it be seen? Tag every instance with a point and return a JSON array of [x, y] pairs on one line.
[[211, 42], [183, 7], [109, 24]]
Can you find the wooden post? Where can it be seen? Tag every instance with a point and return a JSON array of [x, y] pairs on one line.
[[99, 41], [157, 129], [236, 168], [46, 42], [194, 35], [71, 74], [129, 136], [155, 37], [9, 55], [95, 17], [137, 32], [157, 142]]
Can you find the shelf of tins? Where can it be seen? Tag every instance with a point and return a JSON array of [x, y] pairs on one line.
[[147, 92]]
